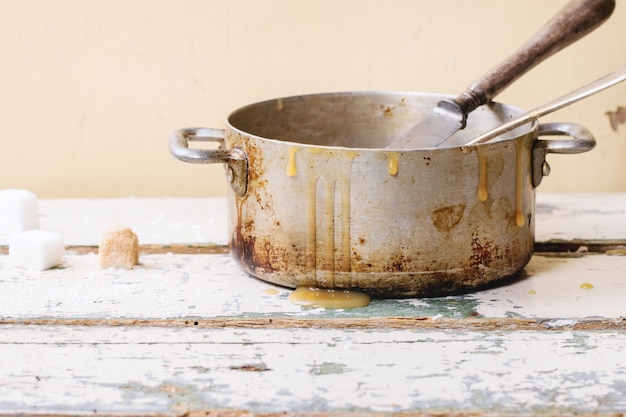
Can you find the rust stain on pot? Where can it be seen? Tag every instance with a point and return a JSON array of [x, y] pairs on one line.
[[396, 263], [256, 173], [484, 252], [262, 255], [247, 244], [258, 182], [445, 218], [388, 112], [481, 253]]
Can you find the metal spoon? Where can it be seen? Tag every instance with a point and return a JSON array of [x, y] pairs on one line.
[[576, 19], [585, 91]]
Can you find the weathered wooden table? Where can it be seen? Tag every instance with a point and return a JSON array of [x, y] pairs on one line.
[[187, 332]]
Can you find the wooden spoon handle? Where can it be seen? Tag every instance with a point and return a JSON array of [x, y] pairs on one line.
[[575, 20]]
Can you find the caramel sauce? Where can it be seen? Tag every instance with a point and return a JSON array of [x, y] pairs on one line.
[[519, 215], [314, 151], [586, 286], [271, 291], [345, 225], [291, 160], [332, 299], [327, 199], [482, 192], [392, 162], [328, 260], [311, 210], [279, 104]]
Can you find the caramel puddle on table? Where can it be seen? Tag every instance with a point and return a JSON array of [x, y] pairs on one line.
[[519, 216], [392, 162], [586, 286], [332, 299]]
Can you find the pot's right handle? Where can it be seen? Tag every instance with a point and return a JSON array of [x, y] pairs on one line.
[[235, 158], [581, 140]]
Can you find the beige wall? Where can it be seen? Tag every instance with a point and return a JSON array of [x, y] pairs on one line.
[[91, 89]]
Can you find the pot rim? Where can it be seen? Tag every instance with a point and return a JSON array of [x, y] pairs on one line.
[[523, 130]]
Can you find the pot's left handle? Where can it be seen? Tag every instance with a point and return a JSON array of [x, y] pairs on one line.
[[581, 140], [234, 158]]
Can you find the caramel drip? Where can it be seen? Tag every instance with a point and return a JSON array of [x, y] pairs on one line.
[[311, 209], [345, 258], [519, 215], [327, 190], [291, 160], [325, 298], [482, 192], [314, 151], [328, 260], [279, 104], [392, 162]]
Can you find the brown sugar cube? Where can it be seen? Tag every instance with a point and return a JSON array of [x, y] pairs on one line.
[[119, 248]]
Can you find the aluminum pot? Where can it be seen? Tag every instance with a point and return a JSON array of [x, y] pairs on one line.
[[317, 200]]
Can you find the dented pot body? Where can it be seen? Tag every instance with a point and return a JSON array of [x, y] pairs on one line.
[[326, 205]]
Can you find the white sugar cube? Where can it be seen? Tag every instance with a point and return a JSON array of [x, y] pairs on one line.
[[18, 211], [36, 249]]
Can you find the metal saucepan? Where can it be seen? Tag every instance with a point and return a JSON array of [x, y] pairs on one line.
[[317, 200]]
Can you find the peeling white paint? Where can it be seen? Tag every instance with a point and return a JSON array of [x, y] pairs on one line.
[[161, 370], [173, 286]]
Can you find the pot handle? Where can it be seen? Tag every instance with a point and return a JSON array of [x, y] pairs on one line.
[[582, 140], [235, 158]]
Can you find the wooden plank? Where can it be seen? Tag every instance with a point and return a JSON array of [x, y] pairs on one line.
[[107, 370], [352, 323], [210, 286], [565, 217], [179, 248]]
